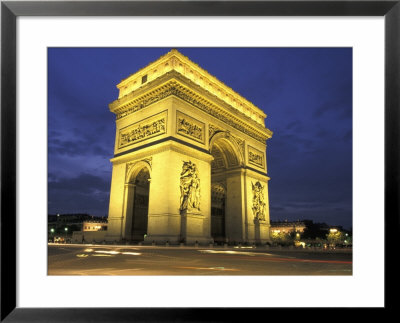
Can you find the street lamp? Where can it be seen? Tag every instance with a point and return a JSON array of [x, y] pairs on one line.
[[66, 231], [52, 234]]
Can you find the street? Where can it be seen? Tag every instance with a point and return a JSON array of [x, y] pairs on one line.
[[78, 259]]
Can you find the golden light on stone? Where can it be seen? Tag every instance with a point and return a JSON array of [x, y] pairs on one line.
[[189, 159], [190, 187]]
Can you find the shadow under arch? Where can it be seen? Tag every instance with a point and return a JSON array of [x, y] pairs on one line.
[[223, 145], [218, 200], [225, 187], [137, 191], [135, 169]]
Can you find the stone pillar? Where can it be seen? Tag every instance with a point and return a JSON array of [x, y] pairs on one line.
[[261, 231], [234, 214], [117, 196], [257, 224], [163, 212], [166, 221], [196, 223], [265, 225], [129, 193], [192, 230]]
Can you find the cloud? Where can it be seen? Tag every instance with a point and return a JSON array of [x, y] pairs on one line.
[[84, 183], [341, 110], [295, 125], [84, 193], [336, 101], [85, 146], [330, 213]]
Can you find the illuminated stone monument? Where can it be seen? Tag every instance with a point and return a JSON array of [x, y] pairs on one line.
[[189, 160]]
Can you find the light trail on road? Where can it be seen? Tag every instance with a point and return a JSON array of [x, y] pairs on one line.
[[261, 256], [188, 260]]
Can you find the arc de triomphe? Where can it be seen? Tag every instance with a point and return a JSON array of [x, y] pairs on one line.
[[189, 159]]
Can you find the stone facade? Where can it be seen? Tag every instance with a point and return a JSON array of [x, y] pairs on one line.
[[189, 153]]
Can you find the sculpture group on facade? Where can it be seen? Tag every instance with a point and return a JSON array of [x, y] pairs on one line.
[[258, 201], [190, 187]]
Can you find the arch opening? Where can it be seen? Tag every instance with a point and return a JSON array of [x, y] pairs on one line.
[[225, 158], [224, 155], [218, 199], [137, 220]]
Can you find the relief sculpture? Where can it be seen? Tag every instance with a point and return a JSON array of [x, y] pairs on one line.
[[190, 187], [256, 157], [201, 104], [190, 129], [258, 201], [143, 131]]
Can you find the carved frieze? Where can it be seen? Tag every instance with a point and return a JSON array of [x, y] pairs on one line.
[[188, 96], [189, 127], [258, 201], [255, 157], [142, 130], [190, 187], [144, 101], [215, 112]]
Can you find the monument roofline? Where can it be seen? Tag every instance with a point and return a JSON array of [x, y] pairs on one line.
[[174, 60], [176, 84]]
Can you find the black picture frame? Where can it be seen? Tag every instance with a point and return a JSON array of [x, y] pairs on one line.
[[10, 10]]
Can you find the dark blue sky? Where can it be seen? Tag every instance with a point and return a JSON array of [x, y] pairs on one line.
[[305, 92]]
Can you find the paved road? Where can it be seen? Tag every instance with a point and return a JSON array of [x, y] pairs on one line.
[[65, 259]]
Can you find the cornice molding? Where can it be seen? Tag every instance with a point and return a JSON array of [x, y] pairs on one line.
[[176, 61], [174, 84], [167, 144]]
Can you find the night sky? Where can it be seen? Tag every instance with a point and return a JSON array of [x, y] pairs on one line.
[[305, 92]]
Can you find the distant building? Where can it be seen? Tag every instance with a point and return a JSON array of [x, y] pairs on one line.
[[73, 218], [66, 224], [94, 226], [287, 227]]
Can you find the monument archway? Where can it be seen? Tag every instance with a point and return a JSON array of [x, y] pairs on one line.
[[204, 148], [136, 202], [218, 222], [225, 188]]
